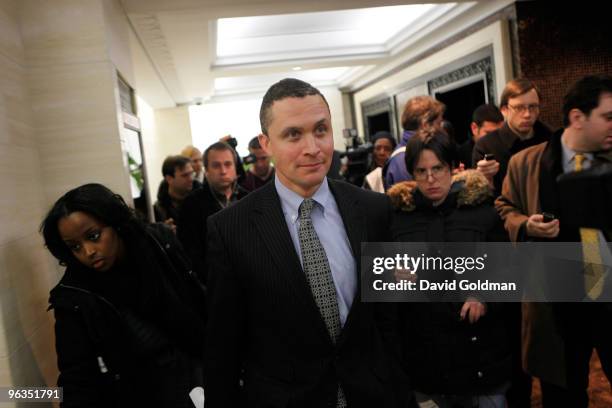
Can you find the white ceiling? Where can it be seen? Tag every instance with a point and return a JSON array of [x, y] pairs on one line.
[[207, 50], [247, 40]]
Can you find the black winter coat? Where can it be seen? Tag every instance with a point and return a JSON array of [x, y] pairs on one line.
[[115, 350], [503, 143], [443, 354], [191, 226]]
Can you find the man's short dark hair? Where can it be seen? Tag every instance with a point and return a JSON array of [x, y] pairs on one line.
[[584, 95], [285, 88], [254, 143], [173, 163], [430, 139], [219, 146], [517, 87], [487, 113]]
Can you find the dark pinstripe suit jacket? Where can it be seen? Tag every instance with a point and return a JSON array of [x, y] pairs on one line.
[[264, 322]]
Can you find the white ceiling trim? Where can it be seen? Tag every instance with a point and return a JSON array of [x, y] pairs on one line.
[[343, 48], [425, 26], [147, 28], [460, 18], [303, 57], [307, 63]]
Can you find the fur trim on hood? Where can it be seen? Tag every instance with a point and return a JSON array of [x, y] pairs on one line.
[[474, 190]]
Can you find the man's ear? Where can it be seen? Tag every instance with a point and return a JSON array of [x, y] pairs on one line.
[[264, 142], [576, 118], [474, 128], [168, 179], [504, 111]]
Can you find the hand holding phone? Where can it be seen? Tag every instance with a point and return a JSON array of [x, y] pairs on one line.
[[542, 226], [488, 166]]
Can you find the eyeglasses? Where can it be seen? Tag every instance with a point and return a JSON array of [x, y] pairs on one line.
[[423, 174], [524, 108]]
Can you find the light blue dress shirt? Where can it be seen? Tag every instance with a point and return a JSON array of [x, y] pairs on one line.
[[569, 165], [569, 159], [329, 226]]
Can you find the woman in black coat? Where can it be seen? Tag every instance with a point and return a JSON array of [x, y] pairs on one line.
[[457, 353], [129, 312]]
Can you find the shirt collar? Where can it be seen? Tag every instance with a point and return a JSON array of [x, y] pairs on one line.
[[291, 200], [569, 155], [221, 197]]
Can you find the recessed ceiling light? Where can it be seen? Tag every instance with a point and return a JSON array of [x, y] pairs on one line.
[[298, 68]]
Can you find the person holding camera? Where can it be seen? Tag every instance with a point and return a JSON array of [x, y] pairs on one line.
[[261, 170], [233, 143]]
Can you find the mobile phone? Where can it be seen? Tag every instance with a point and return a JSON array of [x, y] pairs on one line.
[[489, 156], [548, 217]]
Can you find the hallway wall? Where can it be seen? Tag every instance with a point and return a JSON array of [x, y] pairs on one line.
[[580, 46], [495, 35], [27, 355], [60, 127]]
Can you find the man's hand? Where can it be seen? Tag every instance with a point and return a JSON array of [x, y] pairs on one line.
[[488, 167], [170, 223], [459, 169], [473, 310], [404, 275], [536, 227]]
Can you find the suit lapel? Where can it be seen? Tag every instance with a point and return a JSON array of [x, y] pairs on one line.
[[353, 217], [270, 222], [550, 167]]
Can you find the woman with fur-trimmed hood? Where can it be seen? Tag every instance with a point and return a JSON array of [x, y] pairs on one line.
[[457, 354]]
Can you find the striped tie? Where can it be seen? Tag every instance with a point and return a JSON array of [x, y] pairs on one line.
[[318, 274]]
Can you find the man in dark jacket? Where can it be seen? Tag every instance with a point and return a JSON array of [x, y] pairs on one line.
[[261, 171], [286, 315], [178, 182], [520, 105], [485, 119], [219, 191], [559, 339]]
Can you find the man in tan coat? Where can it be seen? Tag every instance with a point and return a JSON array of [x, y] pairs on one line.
[[559, 338]]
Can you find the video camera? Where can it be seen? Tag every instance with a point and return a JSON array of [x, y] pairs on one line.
[[232, 142], [250, 159], [358, 155]]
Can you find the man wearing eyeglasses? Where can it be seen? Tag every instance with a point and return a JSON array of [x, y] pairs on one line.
[[520, 105], [559, 338]]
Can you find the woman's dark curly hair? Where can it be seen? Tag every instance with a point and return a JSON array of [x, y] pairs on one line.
[[97, 201]]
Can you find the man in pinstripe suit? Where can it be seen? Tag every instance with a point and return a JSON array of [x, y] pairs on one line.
[[285, 310]]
